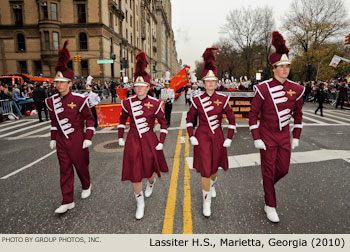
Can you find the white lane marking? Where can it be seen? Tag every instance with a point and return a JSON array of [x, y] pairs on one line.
[[338, 113], [253, 159], [311, 119], [29, 133], [183, 120], [10, 123], [28, 165], [16, 126], [340, 118], [328, 119], [23, 129]]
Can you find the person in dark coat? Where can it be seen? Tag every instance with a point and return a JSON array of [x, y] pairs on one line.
[[321, 96], [39, 96]]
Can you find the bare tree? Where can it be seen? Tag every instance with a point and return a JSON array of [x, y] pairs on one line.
[[267, 26], [248, 27], [227, 58], [311, 23]]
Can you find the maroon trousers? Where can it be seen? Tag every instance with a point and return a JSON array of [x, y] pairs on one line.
[[69, 153], [275, 162]]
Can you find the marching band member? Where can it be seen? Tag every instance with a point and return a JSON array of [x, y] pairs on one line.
[[69, 113], [143, 152], [94, 100], [209, 143], [277, 100], [168, 96]]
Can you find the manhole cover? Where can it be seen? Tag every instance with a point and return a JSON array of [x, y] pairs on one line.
[[113, 145], [108, 147]]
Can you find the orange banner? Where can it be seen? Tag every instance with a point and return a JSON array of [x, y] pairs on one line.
[[179, 80], [108, 114], [122, 92]]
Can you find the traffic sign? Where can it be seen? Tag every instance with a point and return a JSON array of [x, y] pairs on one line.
[[108, 61]]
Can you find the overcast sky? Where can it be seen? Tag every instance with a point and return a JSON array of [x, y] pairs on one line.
[[196, 23]]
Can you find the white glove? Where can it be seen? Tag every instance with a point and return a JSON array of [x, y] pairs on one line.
[[194, 140], [52, 144], [295, 143], [121, 142], [86, 143], [227, 143], [259, 144], [159, 146]]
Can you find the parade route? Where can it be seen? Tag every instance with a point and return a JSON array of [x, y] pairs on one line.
[[312, 198]]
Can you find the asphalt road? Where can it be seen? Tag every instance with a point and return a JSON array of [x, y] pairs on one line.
[[313, 198]]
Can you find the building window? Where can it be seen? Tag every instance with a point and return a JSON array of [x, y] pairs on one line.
[[111, 45], [126, 34], [22, 66], [37, 67], [84, 67], [111, 19], [55, 41], [83, 42], [126, 16], [81, 14], [130, 20], [53, 7], [121, 27], [17, 12], [21, 43], [131, 38], [44, 9], [46, 40]]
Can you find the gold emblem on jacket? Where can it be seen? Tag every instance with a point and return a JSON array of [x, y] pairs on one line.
[[148, 105], [217, 102], [72, 105], [291, 92]]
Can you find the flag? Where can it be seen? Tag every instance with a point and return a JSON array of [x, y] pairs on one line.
[[180, 79], [335, 61]]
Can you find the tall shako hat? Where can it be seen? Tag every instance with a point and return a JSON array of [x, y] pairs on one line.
[[280, 56], [142, 78], [210, 69], [63, 73]]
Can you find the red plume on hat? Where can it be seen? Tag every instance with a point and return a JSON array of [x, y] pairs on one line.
[[141, 65], [63, 58], [279, 43], [281, 49], [209, 61]]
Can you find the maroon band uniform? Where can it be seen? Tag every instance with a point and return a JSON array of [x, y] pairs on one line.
[[210, 154], [141, 158], [276, 103], [68, 115]]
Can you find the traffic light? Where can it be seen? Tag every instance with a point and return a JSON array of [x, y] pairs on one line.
[[125, 63], [77, 58], [347, 39]]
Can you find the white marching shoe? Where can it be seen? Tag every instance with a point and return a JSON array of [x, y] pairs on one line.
[[212, 187], [149, 188], [86, 193], [64, 208], [140, 205], [271, 213], [206, 203]]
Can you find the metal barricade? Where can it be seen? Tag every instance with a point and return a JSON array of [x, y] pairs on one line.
[[6, 108]]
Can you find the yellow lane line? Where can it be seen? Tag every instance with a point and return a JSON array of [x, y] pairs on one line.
[[171, 202], [187, 213]]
